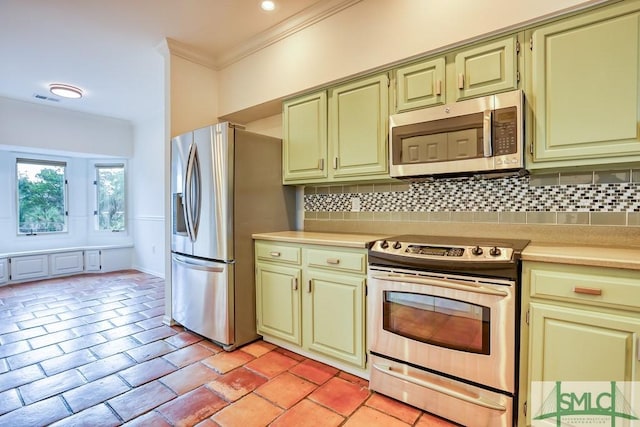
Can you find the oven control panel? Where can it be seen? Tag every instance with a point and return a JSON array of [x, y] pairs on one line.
[[452, 253]]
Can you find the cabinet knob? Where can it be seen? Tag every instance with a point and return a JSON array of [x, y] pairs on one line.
[[321, 164], [461, 81], [274, 254], [334, 261]]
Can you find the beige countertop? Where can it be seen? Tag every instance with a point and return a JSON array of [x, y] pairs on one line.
[[348, 240], [597, 256]]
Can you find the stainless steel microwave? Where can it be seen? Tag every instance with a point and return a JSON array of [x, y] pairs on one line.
[[474, 136]]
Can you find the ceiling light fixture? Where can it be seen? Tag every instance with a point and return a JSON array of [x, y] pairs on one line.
[[267, 5], [65, 91]]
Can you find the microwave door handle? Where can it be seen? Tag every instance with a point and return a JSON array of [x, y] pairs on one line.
[[487, 125], [449, 284]]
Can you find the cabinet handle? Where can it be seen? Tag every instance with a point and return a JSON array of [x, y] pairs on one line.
[[295, 283], [438, 87], [335, 163], [309, 287], [461, 81], [274, 254], [334, 261], [587, 291], [321, 164]]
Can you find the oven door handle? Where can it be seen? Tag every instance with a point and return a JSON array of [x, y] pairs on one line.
[[442, 284], [474, 399]]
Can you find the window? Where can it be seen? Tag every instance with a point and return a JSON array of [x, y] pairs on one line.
[[42, 203], [110, 197]]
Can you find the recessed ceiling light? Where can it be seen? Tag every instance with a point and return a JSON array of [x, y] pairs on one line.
[[267, 5], [65, 91]]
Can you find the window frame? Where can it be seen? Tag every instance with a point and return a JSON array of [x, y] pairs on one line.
[[65, 191], [96, 220]]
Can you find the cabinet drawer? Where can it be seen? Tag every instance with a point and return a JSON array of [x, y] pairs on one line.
[[278, 253], [343, 261], [591, 285]]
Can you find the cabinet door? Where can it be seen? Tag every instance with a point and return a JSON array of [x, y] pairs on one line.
[[358, 116], [4, 271], [570, 344], [421, 85], [278, 302], [584, 89], [487, 69], [92, 261], [304, 130], [29, 267], [333, 316], [66, 263]]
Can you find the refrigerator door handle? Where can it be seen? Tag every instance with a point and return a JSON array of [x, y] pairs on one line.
[[197, 180], [192, 193], [196, 264], [187, 198]]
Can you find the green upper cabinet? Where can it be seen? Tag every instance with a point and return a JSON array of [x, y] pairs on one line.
[[486, 69], [421, 85], [355, 122], [358, 116], [305, 138], [583, 89]]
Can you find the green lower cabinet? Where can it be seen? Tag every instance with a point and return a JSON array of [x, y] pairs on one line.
[[572, 344], [333, 316], [575, 344], [313, 297], [278, 302]]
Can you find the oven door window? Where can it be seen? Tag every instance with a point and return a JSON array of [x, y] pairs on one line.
[[439, 321]]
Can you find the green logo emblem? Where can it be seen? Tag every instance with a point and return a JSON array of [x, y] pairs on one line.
[[588, 403]]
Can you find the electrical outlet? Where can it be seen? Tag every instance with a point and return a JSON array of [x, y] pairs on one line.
[[355, 204]]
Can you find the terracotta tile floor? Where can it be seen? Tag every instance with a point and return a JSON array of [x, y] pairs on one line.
[[91, 350]]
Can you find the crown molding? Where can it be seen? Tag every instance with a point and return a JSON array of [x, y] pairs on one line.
[[309, 16], [187, 52]]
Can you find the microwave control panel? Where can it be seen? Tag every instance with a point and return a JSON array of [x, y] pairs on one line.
[[505, 131]]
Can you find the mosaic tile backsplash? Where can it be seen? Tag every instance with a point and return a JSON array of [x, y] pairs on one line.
[[586, 198]]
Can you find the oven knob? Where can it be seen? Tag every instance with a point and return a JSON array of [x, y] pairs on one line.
[[477, 251], [495, 251], [384, 244], [397, 245]]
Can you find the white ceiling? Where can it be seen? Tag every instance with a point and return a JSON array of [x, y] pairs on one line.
[[109, 48]]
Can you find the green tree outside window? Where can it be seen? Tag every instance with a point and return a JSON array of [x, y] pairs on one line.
[[41, 196], [110, 197]]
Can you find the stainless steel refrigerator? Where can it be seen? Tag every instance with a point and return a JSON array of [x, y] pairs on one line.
[[226, 183]]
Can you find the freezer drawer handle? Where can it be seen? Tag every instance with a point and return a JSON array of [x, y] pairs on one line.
[[274, 254], [197, 265], [475, 399]]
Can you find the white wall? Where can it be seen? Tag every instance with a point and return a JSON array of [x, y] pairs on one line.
[[193, 95], [368, 35], [44, 128], [148, 195]]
